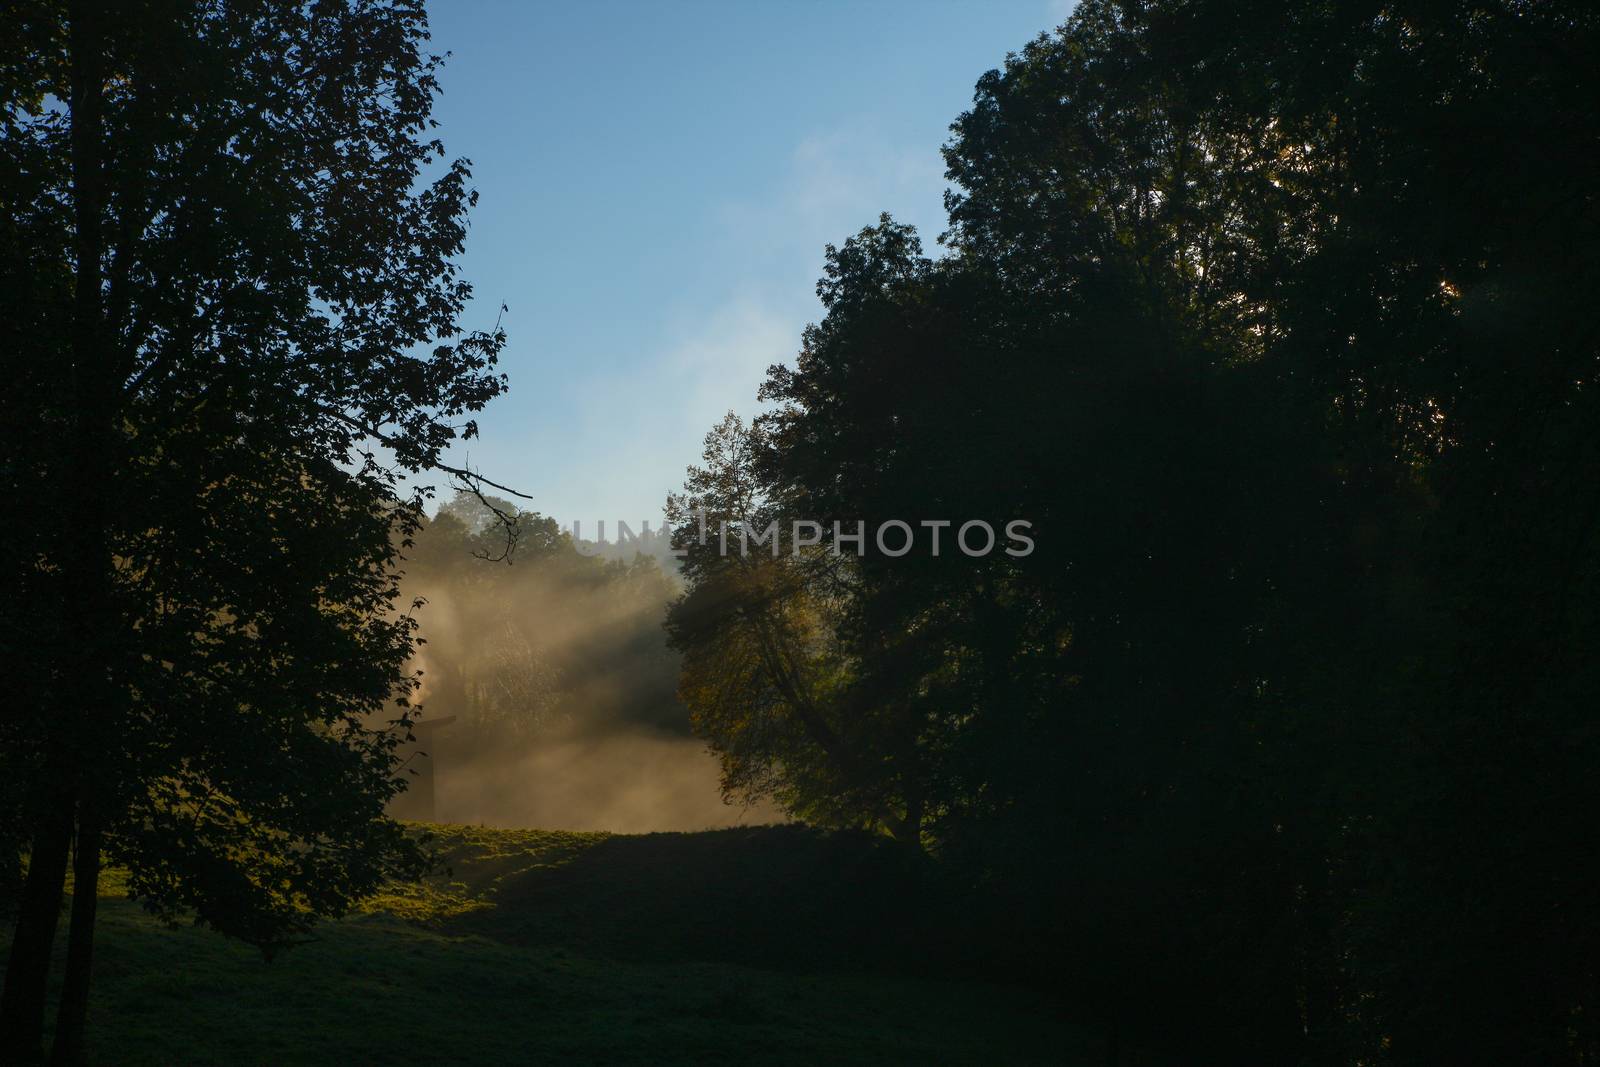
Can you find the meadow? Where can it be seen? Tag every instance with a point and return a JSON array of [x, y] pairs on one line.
[[773, 945]]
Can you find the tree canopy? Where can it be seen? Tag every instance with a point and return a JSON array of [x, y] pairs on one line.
[[1271, 319], [236, 328]]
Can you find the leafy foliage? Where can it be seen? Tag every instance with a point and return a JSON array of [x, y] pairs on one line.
[[1271, 319], [234, 234]]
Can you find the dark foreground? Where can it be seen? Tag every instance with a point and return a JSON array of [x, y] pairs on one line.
[[766, 945]]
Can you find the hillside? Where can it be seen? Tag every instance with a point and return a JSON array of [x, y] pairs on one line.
[[765, 945]]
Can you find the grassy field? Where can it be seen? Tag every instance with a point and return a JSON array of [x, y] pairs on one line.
[[772, 945]]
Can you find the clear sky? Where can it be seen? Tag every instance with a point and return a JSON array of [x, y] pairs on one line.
[[657, 183]]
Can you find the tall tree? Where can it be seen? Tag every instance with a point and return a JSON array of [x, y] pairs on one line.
[[1272, 319], [764, 675], [240, 236]]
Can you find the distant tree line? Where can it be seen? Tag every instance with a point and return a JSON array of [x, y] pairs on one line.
[[1276, 320], [561, 643]]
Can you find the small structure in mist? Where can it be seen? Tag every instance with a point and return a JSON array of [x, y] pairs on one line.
[[418, 759]]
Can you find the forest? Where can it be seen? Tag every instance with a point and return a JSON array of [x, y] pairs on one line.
[[1271, 324]]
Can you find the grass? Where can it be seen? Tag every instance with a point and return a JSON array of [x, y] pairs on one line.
[[773, 945]]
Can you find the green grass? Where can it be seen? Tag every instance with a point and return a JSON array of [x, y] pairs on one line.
[[775, 945]]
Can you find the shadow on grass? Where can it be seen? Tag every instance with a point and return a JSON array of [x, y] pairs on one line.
[[777, 896]]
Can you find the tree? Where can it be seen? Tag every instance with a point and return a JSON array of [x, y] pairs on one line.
[[1064, 699], [246, 333], [764, 675], [1443, 317], [1272, 320]]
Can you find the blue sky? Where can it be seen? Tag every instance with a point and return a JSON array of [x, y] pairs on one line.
[[657, 183]]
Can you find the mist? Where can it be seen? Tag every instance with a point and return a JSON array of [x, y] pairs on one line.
[[548, 692], [622, 781]]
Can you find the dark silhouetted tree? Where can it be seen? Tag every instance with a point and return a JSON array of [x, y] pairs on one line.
[[1273, 320], [234, 323]]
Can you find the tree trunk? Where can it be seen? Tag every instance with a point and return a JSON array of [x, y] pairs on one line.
[[28, 969], [85, 563], [67, 1049], [86, 568]]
